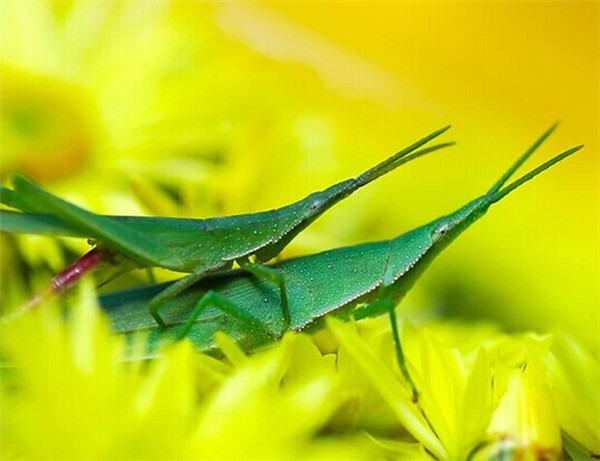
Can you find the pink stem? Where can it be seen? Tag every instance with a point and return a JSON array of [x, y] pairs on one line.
[[60, 283], [67, 277], [75, 271]]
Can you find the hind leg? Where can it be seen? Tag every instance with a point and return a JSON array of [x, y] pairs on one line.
[[169, 293], [212, 298], [380, 307]]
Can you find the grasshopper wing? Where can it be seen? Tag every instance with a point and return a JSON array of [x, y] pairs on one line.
[[141, 247], [34, 223]]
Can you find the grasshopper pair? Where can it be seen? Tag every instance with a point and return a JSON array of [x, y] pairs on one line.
[[257, 304]]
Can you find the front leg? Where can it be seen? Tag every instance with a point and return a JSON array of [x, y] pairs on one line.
[[272, 275]]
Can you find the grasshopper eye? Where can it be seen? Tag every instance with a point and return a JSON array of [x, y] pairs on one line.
[[313, 207], [440, 231], [316, 204]]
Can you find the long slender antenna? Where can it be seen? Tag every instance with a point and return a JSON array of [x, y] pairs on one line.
[[424, 151], [392, 162], [496, 187], [533, 173]]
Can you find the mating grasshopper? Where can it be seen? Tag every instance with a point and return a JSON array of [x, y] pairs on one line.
[[362, 281], [196, 246]]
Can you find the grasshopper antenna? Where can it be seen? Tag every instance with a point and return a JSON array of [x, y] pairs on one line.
[[424, 151], [500, 194], [401, 157], [506, 176]]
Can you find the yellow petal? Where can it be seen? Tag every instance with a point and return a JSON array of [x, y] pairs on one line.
[[382, 378]]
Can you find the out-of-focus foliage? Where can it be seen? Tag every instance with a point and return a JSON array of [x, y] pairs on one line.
[[72, 396], [68, 393]]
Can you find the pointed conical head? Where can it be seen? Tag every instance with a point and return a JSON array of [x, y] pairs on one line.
[[411, 253]]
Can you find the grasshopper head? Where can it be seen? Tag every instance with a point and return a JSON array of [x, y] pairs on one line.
[[417, 248], [318, 202], [446, 229], [303, 213]]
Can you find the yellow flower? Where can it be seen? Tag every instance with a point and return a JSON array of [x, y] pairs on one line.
[[525, 425], [72, 395], [455, 398], [574, 377], [67, 393]]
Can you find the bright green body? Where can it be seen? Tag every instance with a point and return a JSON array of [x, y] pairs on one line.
[[183, 245], [352, 280], [335, 281]]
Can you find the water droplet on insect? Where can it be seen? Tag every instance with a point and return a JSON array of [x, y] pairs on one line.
[[265, 300], [254, 231], [354, 271], [329, 266]]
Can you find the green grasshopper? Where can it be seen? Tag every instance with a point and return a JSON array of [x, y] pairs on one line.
[[195, 246], [364, 280]]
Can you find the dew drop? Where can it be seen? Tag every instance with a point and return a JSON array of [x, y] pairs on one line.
[[265, 300], [329, 266]]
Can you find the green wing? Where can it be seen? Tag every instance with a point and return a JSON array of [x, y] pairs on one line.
[[33, 223], [14, 200], [27, 196]]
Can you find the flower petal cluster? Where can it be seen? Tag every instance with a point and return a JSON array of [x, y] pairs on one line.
[[69, 391]]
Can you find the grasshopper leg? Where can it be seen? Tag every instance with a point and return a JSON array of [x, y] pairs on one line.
[[151, 276], [272, 275], [379, 307], [373, 309], [212, 298], [400, 355], [169, 293]]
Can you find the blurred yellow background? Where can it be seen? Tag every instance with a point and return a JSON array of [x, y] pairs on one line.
[[206, 109]]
